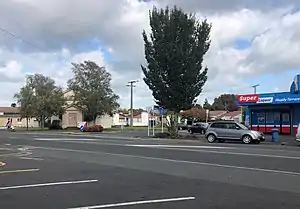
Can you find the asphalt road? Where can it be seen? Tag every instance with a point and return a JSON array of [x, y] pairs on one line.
[[61, 171]]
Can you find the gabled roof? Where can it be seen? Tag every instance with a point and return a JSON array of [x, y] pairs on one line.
[[232, 114], [217, 113], [14, 110]]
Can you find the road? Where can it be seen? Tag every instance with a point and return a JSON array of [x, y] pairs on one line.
[[61, 171]]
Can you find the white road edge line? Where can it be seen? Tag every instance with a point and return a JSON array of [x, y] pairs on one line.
[[47, 184], [219, 152], [175, 161], [137, 203], [175, 146]]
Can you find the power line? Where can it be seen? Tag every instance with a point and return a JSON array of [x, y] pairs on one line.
[[18, 37]]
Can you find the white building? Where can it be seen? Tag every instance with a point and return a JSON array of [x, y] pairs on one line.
[[140, 119]]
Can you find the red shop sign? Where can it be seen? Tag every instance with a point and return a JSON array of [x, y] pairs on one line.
[[248, 98]]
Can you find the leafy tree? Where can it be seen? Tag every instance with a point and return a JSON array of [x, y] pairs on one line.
[[206, 105], [174, 52], [195, 113], [92, 90], [41, 98], [25, 98], [225, 102]]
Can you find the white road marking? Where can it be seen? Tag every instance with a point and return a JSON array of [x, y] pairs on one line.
[[175, 147], [176, 161], [47, 184], [32, 158], [64, 139], [137, 203]]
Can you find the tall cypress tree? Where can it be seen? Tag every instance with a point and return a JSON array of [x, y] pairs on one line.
[[174, 51]]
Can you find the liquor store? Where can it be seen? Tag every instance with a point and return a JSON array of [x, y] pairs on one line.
[[266, 111]]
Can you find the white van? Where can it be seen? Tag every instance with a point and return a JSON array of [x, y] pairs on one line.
[[298, 133]]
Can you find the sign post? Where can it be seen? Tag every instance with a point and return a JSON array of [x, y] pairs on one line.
[[149, 124], [206, 112], [153, 122]]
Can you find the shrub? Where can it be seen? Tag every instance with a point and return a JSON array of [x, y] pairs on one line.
[[55, 125], [162, 135], [94, 128]]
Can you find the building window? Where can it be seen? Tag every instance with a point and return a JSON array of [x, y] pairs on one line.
[[19, 120], [269, 117], [276, 116], [285, 117]]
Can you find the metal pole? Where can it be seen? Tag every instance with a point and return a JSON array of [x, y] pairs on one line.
[[131, 104], [162, 123], [153, 121], [131, 100], [148, 125], [254, 88]]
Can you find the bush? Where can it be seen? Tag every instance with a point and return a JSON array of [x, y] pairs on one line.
[[55, 125], [162, 135], [94, 128]]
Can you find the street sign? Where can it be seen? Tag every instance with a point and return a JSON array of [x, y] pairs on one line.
[[161, 110]]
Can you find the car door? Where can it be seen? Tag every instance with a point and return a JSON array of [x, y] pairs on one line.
[[219, 129], [233, 131]]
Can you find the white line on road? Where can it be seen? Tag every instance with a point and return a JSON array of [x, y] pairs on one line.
[[176, 146], [175, 161], [137, 203], [32, 158], [47, 184], [182, 148]]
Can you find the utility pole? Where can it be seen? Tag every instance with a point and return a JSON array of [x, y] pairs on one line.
[[254, 87], [131, 85]]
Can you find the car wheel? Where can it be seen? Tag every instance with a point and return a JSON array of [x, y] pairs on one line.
[[211, 138], [247, 139], [221, 140]]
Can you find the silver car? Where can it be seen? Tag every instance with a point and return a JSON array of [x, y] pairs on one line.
[[230, 130]]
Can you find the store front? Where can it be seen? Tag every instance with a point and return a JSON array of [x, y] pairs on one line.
[[280, 110]]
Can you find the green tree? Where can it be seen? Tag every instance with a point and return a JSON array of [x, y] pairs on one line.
[[25, 98], [93, 94], [41, 98], [174, 52], [206, 105], [225, 102]]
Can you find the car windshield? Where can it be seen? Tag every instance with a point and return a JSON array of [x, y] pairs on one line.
[[243, 126]]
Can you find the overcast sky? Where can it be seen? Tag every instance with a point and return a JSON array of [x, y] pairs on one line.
[[252, 42]]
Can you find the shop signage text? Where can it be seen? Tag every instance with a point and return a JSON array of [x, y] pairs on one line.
[[248, 98], [265, 100], [287, 99]]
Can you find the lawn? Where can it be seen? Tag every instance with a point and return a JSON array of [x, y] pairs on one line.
[[128, 128]]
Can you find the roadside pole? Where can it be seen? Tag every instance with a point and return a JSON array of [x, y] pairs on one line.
[[206, 118], [149, 124], [153, 121], [162, 123]]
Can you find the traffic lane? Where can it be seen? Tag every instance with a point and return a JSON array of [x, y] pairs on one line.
[[247, 176], [119, 185], [28, 172], [219, 156]]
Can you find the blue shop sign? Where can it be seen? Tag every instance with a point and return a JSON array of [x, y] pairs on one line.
[[287, 99]]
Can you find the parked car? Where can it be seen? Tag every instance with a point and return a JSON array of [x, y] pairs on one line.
[[198, 128], [298, 133], [230, 130]]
